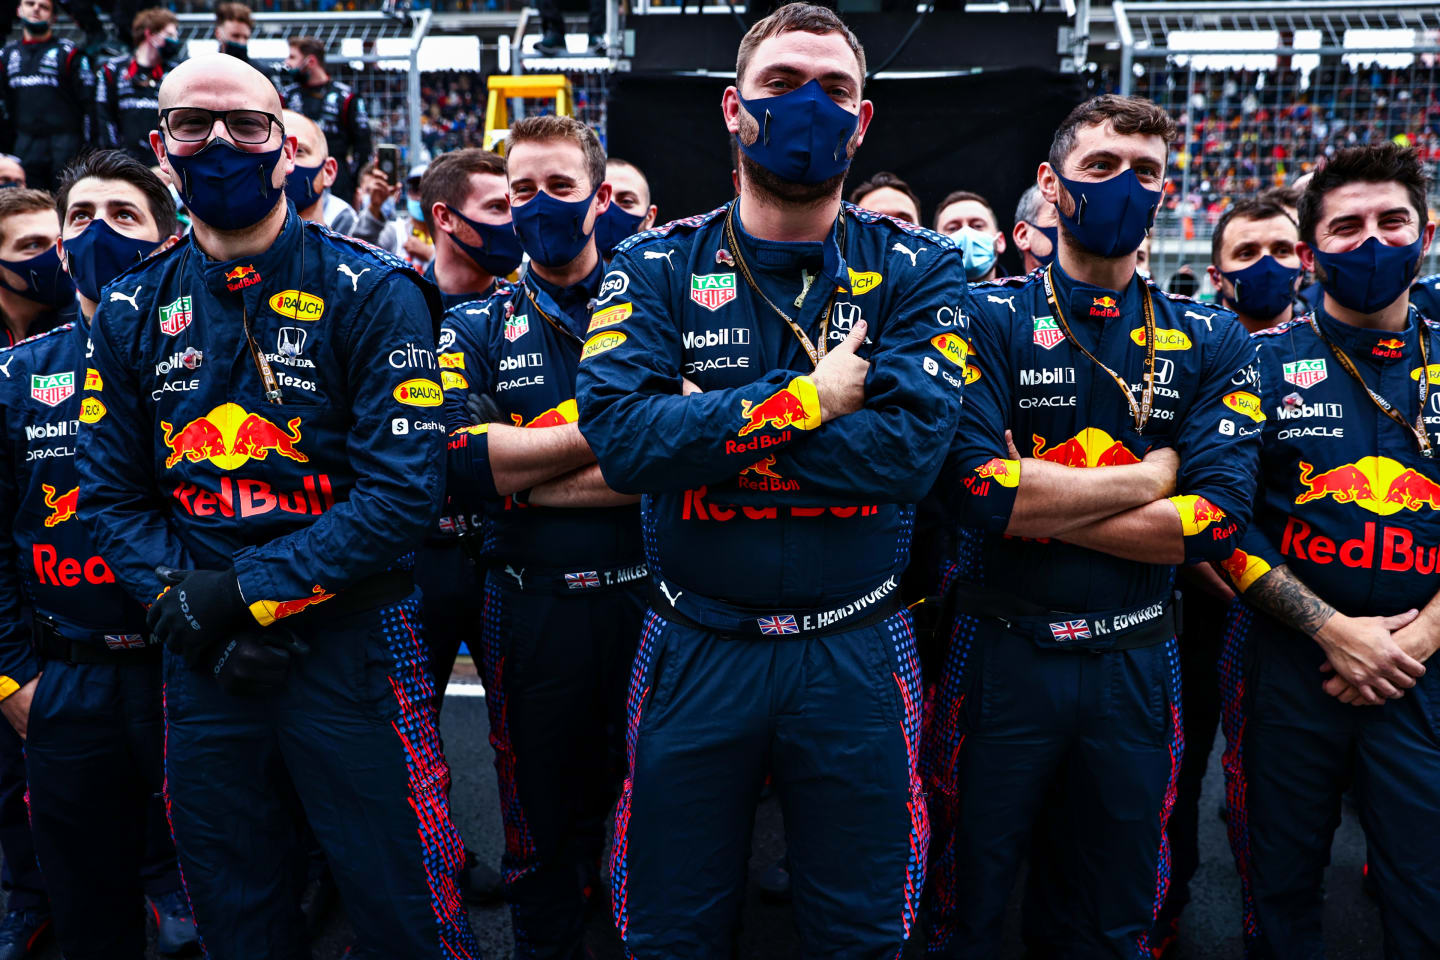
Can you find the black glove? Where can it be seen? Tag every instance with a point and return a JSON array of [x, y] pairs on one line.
[[197, 613], [482, 408], [253, 663]]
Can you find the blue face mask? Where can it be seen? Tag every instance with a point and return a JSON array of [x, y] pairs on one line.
[[99, 254], [226, 188], [1112, 216], [552, 231], [1372, 276], [614, 225], [300, 186], [1053, 235], [803, 134], [499, 252], [415, 209], [1262, 290], [978, 249], [44, 280]]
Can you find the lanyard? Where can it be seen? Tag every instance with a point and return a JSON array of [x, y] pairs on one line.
[[815, 354], [1140, 412], [559, 327], [1348, 365]]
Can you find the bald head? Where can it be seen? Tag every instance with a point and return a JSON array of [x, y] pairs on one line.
[[311, 149], [218, 82]]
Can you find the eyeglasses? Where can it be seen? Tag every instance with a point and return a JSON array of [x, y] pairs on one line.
[[193, 124]]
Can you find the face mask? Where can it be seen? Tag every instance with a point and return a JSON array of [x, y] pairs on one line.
[[1053, 235], [44, 281], [36, 27], [1113, 216], [1372, 276], [6, 184], [236, 49], [499, 253], [978, 249], [1262, 290], [300, 186], [169, 49], [225, 187], [614, 225], [803, 134], [99, 254], [294, 74], [552, 231], [416, 211]]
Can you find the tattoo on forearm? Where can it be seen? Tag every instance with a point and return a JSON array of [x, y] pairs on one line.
[[1280, 594]]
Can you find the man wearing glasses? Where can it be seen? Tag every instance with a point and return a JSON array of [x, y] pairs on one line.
[[258, 456]]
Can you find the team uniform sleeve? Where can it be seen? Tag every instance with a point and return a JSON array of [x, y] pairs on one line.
[[466, 367], [645, 435], [121, 505], [1255, 553], [17, 661], [107, 127], [361, 140], [980, 481], [1219, 448], [82, 88], [399, 470], [890, 450]]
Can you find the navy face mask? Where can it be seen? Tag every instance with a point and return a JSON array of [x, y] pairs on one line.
[[1264, 289], [1370, 277], [551, 230], [225, 187], [803, 134], [1112, 216], [300, 186], [99, 254], [44, 280], [614, 225], [499, 253], [240, 51], [1053, 235]]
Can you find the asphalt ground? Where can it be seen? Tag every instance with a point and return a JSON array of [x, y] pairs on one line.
[[1210, 929]]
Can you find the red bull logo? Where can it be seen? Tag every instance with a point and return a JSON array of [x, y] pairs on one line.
[[1378, 484], [762, 468], [761, 475], [251, 498], [697, 507], [1243, 569], [1197, 513], [1388, 348], [267, 612], [1091, 447], [1004, 472], [1397, 550], [566, 412], [796, 405], [238, 278], [229, 437], [63, 507], [1104, 307], [58, 571]]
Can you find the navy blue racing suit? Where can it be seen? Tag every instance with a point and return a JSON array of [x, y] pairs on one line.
[[775, 542], [95, 745], [1061, 676], [317, 501], [564, 596], [1351, 508]]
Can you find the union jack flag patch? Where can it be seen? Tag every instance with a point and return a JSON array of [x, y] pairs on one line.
[[1070, 630], [124, 641], [582, 581], [774, 626]]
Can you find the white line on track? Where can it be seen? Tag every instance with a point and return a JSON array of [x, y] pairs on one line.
[[464, 690]]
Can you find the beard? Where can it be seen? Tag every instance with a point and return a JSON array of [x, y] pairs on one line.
[[789, 191]]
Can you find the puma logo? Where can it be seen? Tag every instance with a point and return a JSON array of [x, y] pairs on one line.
[[655, 255], [519, 575], [130, 298], [354, 277], [1008, 301], [5, 367], [901, 248], [666, 590], [1207, 317]]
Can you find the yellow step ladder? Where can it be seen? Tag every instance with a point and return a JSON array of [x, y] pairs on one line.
[[538, 86]]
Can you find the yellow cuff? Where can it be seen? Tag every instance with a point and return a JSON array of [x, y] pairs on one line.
[[1244, 569], [809, 397], [1196, 513], [267, 612], [7, 687]]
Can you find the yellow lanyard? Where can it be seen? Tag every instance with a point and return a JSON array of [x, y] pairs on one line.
[[1348, 365]]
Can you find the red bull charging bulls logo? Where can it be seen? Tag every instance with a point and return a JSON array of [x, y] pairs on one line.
[[1091, 447], [796, 405], [229, 436], [63, 507], [1378, 484]]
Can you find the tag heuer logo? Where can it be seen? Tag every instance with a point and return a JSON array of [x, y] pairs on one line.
[[517, 327], [1305, 373], [1047, 332], [52, 388], [712, 290], [175, 317]]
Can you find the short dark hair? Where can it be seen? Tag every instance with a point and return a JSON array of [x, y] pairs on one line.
[[1128, 115], [1385, 162], [955, 196], [616, 161], [1263, 207], [150, 20], [309, 47], [792, 18], [552, 127], [447, 178], [226, 12], [118, 165], [18, 200], [880, 181]]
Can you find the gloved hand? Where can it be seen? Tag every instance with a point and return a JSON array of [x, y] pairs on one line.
[[197, 613], [483, 409], [253, 663]]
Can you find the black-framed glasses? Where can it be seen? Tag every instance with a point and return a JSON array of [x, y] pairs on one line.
[[193, 124]]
